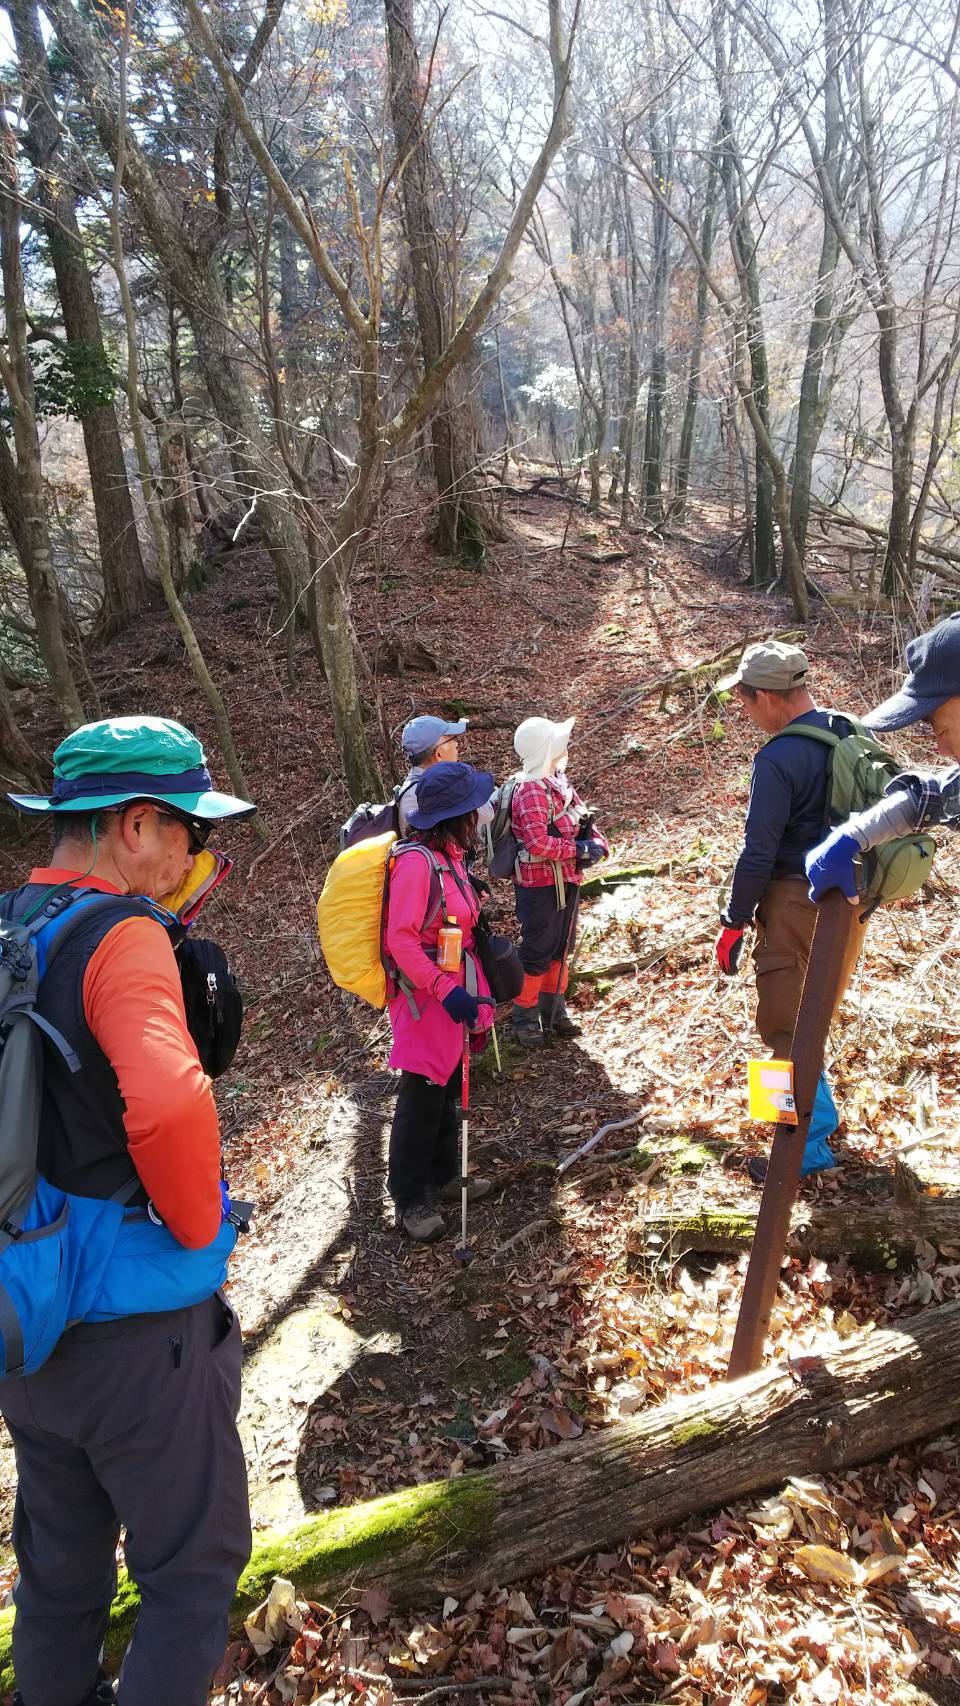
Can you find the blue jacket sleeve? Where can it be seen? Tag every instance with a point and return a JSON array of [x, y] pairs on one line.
[[771, 800]]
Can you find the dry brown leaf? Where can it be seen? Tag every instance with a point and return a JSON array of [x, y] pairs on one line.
[[375, 1601], [561, 1423], [824, 1564]]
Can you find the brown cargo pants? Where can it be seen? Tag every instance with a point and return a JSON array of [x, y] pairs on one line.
[[785, 923]]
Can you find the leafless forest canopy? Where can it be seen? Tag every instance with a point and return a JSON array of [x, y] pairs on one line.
[[262, 265]]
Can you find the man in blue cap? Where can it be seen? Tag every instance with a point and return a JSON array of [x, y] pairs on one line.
[[425, 741], [918, 799], [132, 1420]]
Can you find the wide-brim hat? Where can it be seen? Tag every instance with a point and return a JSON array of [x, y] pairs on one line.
[[122, 759], [449, 790], [934, 662], [539, 742]]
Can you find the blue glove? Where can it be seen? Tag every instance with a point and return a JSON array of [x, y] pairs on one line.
[[226, 1206], [462, 1008], [590, 852], [830, 866]]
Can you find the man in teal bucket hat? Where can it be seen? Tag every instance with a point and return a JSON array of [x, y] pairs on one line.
[[132, 1420]]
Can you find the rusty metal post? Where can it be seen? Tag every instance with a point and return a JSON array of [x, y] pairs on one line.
[[828, 950]]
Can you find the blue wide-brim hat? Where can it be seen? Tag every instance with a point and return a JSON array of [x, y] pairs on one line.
[[449, 790], [934, 663], [121, 759]]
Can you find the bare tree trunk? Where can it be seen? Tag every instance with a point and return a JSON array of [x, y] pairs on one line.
[[688, 428], [814, 393], [461, 521], [744, 249], [176, 488], [17, 375], [19, 764], [126, 588], [661, 159], [161, 540], [195, 277], [825, 331]]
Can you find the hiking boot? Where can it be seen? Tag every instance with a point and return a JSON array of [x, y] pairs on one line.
[[758, 1164], [421, 1222], [525, 1027], [563, 1025], [477, 1189]]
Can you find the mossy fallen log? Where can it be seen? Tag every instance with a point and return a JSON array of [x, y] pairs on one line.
[[877, 1236], [877, 1391]]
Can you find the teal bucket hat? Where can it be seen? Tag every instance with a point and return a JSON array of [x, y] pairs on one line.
[[121, 759]]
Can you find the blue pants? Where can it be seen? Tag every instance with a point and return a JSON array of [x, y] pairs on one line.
[[824, 1120]]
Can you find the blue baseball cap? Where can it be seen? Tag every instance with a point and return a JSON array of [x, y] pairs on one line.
[[934, 662], [449, 790], [422, 734]]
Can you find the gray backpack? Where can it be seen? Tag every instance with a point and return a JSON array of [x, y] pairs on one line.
[[503, 846]]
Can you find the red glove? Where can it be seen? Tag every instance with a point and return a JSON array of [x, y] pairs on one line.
[[728, 948]]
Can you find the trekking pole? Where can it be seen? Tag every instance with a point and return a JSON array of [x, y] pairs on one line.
[[464, 1255], [496, 1050], [835, 920]]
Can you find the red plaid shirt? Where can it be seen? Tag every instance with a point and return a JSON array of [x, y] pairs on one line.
[[546, 827]]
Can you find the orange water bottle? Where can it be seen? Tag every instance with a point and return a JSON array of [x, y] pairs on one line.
[[449, 947]]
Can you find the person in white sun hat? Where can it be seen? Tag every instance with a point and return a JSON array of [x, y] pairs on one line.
[[557, 840]]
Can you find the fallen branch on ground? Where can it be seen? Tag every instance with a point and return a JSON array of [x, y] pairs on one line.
[[598, 1136], [666, 685], [620, 968], [879, 1235], [818, 1414]]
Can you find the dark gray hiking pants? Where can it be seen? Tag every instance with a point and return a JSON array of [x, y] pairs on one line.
[[130, 1422]]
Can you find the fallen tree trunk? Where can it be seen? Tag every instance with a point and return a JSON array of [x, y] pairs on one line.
[[878, 1236], [878, 1391]]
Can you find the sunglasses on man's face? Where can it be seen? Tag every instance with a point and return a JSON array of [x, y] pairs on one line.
[[198, 829]]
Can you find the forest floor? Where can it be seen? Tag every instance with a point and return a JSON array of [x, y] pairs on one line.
[[372, 1364]]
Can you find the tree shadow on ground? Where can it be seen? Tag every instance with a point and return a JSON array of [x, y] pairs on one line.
[[464, 1345]]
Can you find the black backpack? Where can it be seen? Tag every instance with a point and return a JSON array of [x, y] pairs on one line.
[[369, 820], [212, 1000]]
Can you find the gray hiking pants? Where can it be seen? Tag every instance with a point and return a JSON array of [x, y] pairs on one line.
[[130, 1422]]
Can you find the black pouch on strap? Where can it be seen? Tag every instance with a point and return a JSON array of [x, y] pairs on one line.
[[499, 961]]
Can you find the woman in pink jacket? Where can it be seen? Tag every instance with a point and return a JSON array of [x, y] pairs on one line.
[[429, 891]]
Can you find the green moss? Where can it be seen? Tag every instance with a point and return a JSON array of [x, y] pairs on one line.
[[685, 1432], [678, 1154], [328, 1553], [344, 1545]]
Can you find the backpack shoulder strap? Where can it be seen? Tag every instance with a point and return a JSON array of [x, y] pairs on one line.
[[435, 898], [827, 737]]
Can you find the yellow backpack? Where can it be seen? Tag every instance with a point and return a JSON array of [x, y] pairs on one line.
[[352, 912]]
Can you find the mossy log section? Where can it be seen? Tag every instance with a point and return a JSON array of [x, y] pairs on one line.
[[818, 1414], [878, 1236]]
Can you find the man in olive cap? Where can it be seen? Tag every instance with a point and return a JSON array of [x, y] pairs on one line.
[[785, 818], [915, 800], [132, 1420]]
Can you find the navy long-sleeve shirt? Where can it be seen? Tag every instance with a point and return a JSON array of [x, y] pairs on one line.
[[787, 814]]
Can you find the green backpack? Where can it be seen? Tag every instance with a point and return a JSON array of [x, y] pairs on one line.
[[859, 772]]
